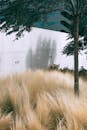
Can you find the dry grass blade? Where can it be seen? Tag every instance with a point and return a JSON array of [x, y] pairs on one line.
[[42, 100], [6, 122]]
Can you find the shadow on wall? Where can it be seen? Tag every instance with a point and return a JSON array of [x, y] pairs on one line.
[[43, 56]]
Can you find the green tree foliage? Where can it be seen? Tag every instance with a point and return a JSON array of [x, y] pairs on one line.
[[20, 15], [69, 48], [80, 6]]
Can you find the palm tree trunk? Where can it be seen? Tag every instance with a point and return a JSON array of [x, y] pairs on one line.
[[76, 38]]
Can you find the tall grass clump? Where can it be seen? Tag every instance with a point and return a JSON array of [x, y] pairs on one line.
[[42, 100]]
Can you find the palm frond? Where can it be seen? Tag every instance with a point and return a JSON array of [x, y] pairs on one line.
[[69, 48]]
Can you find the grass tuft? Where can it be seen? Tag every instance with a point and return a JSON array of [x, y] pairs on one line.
[[42, 100]]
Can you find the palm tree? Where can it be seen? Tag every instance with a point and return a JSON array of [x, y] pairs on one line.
[[76, 25]]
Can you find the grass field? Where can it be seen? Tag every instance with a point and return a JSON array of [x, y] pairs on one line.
[[42, 100]]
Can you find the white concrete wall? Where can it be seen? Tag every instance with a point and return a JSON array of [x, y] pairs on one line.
[[12, 62], [13, 53]]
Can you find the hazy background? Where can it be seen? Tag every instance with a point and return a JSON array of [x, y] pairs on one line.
[[13, 53]]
